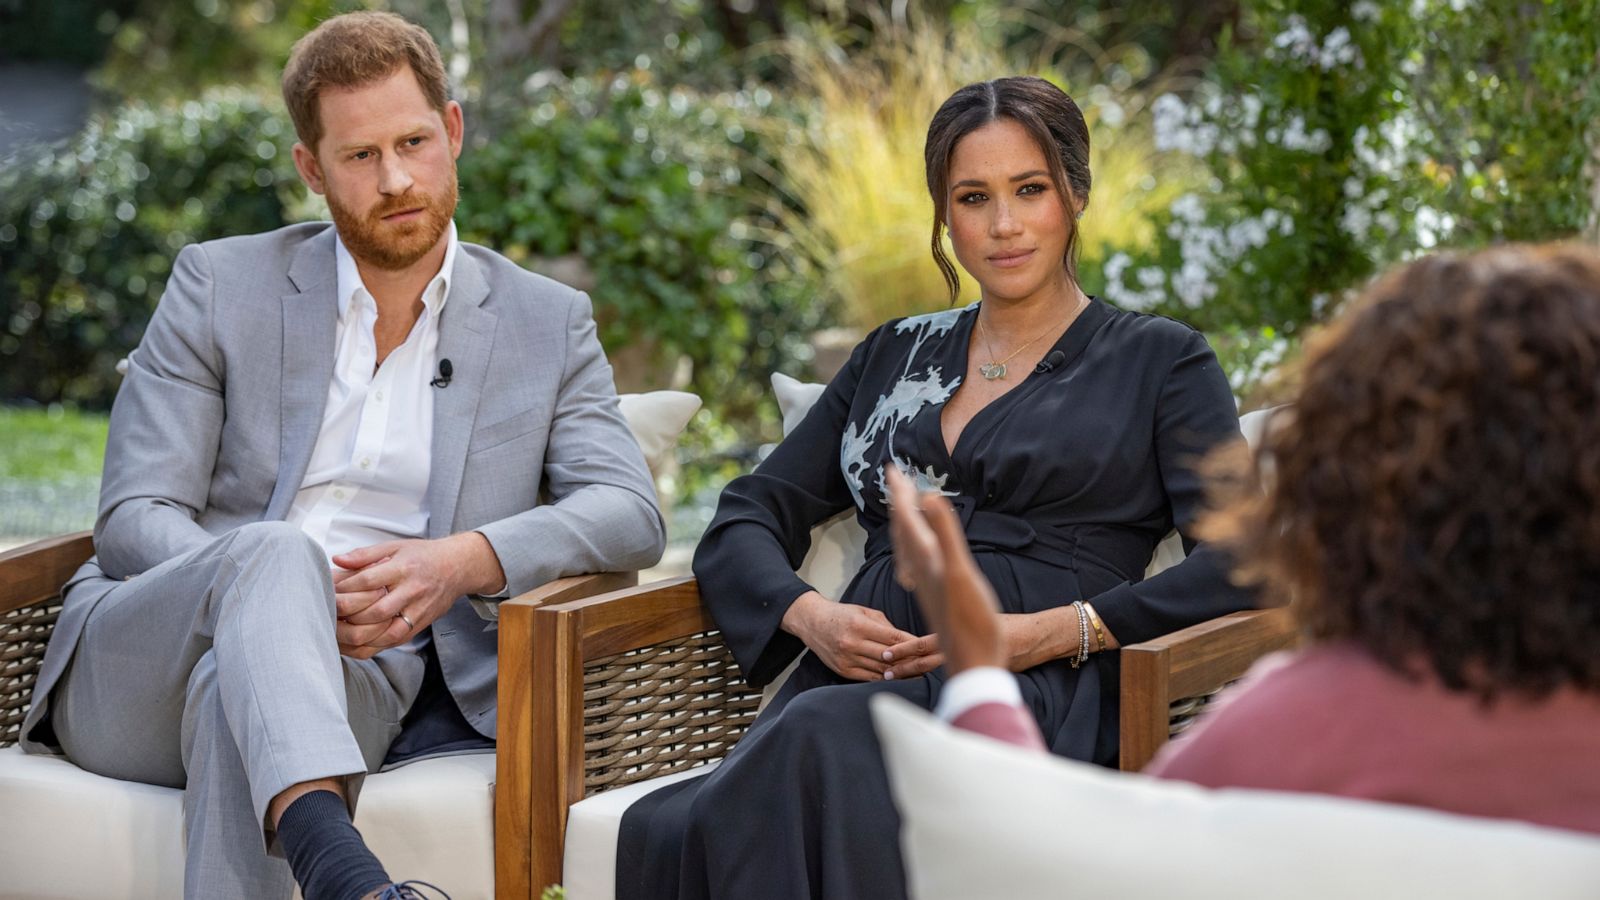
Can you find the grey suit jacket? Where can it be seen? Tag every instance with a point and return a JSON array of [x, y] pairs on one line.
[[214, 426]]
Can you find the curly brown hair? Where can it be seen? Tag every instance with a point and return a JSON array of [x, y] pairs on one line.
[[1434, 493]]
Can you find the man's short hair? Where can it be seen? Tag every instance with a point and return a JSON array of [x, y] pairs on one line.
[[354, 50]]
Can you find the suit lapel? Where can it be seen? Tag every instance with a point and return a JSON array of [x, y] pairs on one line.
[[466, 335], [310, 323]]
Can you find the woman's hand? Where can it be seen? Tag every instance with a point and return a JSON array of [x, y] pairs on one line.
[[849, 638]]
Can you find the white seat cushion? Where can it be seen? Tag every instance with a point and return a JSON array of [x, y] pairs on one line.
[[589, 865], [986, 819], [68, 833]]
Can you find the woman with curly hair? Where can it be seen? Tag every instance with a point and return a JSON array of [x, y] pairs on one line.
[[1432, 512]]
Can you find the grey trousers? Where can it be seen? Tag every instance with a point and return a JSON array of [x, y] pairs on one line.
[[218, 672]]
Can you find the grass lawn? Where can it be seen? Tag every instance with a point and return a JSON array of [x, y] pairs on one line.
[[49, 445]]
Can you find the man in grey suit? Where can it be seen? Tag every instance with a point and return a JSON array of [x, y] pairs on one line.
[[329, 437]]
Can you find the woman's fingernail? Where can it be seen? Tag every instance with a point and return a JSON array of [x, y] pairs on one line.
[[888, 675], [888, 656]]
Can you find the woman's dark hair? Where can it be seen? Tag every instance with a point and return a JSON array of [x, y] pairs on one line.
[[1434, 493], [1046, 113]]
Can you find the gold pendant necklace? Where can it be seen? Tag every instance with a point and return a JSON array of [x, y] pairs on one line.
[[993, 371]]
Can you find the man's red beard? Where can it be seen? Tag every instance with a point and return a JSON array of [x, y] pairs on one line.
[[395, 245]]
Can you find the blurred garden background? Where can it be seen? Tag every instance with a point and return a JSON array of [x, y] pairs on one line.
[[739, 183]]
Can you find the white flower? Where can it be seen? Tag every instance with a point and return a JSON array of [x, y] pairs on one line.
[[1296, 40], [1356, 222], [1364, 11], [1188, 208], [1115, 266]]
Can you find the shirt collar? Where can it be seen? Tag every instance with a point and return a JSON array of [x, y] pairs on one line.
[[433, 296]]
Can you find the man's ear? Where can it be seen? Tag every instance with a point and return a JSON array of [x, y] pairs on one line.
[[305, 162], [454, 127]]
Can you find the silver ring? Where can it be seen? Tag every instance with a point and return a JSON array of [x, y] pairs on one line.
[[406, 618]]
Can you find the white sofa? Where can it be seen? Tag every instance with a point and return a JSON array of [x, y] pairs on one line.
[[67, 833], [986, 819]]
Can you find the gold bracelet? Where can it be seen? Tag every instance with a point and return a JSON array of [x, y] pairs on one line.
[[1099, 629]]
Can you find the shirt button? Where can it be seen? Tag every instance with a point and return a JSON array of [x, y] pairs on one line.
[[338, 493], [380, 396], [366, 462]]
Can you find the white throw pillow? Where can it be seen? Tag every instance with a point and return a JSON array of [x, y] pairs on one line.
[[984, 819], [656, 419], [839, 545]]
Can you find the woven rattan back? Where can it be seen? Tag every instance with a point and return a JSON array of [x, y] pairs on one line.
[[30, 600], [23, 635], [660, 709]]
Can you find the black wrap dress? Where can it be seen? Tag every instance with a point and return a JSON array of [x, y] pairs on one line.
[[1065, 485]]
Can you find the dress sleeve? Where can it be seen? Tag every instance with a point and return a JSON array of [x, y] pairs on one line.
[[1194, 413], [747, 557]]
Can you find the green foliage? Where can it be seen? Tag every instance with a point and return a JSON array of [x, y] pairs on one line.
[[1342, 137], [89, 228], [650, 188]]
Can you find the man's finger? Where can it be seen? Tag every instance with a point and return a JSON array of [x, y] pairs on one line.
[[357, 635], [382, 574], [393, 636], [395, 601], [350, 604], [361, 557]]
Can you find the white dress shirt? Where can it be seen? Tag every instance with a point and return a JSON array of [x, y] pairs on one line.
[[368, 478]]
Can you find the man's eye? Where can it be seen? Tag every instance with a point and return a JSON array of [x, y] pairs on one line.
[[415, 141], [361, 155]]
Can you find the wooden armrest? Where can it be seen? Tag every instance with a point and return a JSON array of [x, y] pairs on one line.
[[1195, 661], [35, 572], [539, 766], [573, 587]]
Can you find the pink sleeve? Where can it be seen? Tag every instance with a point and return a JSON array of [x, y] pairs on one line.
[[1003, 722]]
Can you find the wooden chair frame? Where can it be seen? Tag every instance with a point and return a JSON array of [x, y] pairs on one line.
[[568, 727]]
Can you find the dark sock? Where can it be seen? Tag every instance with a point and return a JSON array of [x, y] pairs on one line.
[[326, 853]]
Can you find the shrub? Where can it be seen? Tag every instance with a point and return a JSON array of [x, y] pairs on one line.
[[659, 191], [88, 230], [1342, 137]]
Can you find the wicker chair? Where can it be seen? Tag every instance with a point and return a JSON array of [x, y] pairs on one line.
[[30, 590], [635, 684], [601, 690]]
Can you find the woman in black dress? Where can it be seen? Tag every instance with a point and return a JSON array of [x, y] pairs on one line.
[[1065, 433]]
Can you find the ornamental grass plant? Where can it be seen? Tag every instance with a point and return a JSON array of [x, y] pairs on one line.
[[853, 165]]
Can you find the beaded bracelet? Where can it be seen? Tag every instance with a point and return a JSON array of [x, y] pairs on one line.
[[1083, 635]]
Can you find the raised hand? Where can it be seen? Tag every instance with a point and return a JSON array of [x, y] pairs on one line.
[[932, 560]]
